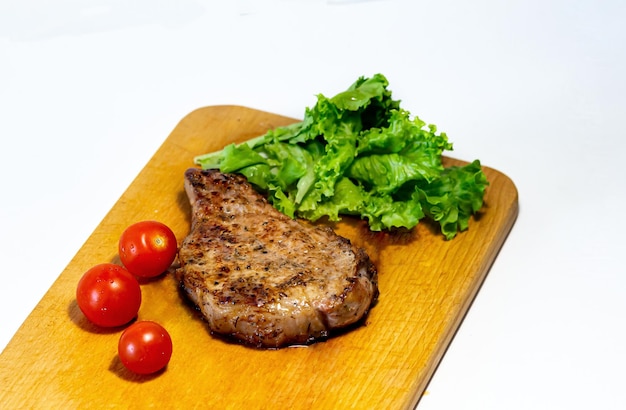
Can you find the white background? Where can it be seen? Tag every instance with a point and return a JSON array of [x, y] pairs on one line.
[[536, 89]]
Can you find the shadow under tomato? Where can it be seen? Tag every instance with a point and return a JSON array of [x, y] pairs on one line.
[[117, 367]]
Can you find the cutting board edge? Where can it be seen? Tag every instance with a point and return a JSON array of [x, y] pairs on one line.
[[454, 327]]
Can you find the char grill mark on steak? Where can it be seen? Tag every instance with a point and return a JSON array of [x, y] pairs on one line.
[[263, 278]]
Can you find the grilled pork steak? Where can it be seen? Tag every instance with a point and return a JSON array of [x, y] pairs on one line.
[[262, 277]]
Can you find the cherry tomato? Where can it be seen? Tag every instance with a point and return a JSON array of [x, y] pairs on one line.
[[145, 347], [108, 295], [147, 248]]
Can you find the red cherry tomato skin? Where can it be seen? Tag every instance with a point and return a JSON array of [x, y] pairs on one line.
[[145, 347], [108, 295], [147, 248]]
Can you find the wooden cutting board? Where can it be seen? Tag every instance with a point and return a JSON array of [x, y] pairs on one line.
[[58, 360]]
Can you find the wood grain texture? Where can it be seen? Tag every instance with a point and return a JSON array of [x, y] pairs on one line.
[[58, 360]]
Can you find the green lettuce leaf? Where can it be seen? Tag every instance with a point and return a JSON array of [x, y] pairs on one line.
[[359, 153], [454, 197]]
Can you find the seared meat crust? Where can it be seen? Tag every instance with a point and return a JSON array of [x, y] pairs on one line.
[[263, 278]]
